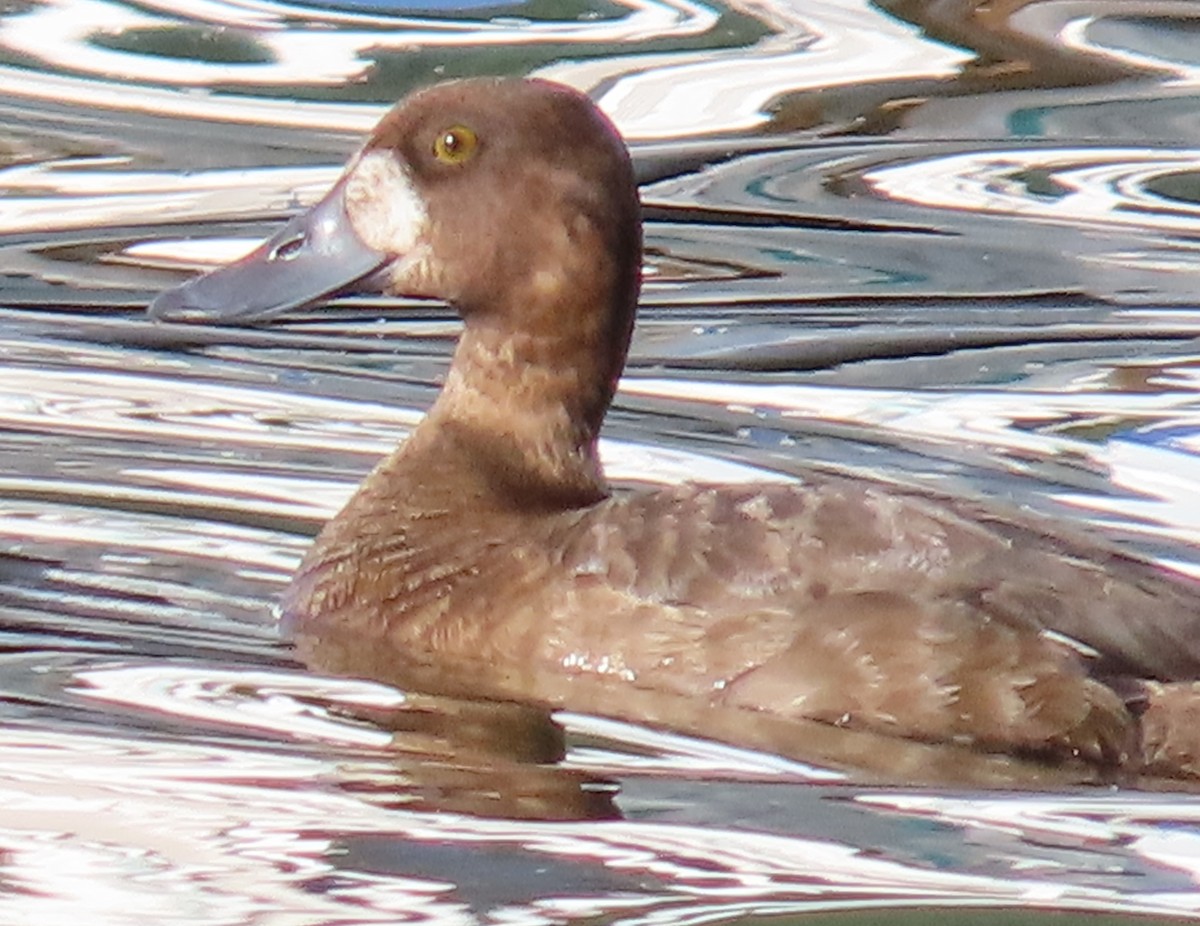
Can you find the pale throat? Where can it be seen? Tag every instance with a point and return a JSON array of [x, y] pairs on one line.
[[525, 393], [536, 364]]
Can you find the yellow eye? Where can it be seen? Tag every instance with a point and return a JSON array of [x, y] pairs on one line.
[[455, 145]]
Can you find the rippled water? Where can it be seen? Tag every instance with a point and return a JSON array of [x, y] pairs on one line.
[[947, 245]]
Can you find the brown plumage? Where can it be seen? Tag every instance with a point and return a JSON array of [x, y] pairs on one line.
[[487, 555]]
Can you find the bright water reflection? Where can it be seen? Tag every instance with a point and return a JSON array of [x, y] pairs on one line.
[[140, 829], [945, 245]]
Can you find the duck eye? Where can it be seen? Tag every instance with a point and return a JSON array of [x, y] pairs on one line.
[[455, 145]]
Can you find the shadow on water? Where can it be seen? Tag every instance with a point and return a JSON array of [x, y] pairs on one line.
[[947, 246]]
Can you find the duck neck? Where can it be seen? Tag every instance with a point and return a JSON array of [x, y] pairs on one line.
[[527, 392]]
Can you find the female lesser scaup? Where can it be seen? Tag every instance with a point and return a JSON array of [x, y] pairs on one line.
[[489, 547]]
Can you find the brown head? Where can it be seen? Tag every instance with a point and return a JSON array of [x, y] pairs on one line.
[[514, 200]]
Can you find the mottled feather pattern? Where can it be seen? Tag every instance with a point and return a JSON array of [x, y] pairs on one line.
[[883, 652]]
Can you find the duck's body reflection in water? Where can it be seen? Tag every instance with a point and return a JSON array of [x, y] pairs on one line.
[[483, 758], [486, 555]]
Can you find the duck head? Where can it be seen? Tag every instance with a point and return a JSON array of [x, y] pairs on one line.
[[513, 200]]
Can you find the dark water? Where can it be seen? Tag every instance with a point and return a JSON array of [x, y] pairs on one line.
[[943, 245]]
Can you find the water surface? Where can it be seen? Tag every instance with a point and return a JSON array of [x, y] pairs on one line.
[[946, 246]]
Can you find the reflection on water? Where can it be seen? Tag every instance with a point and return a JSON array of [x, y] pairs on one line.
[[945, 245]]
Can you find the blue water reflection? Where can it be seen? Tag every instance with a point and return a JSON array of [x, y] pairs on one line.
[[949, 246]]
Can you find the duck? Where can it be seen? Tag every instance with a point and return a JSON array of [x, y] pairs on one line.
[[489, 554]]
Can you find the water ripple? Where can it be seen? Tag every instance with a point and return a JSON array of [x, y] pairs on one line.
[[943, 246], [1092, 185], [122, 823], [294, 46]]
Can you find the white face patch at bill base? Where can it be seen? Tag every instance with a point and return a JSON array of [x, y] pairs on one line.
[[385, 209]]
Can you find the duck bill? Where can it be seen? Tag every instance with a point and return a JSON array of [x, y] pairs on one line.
[[316, 254]]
